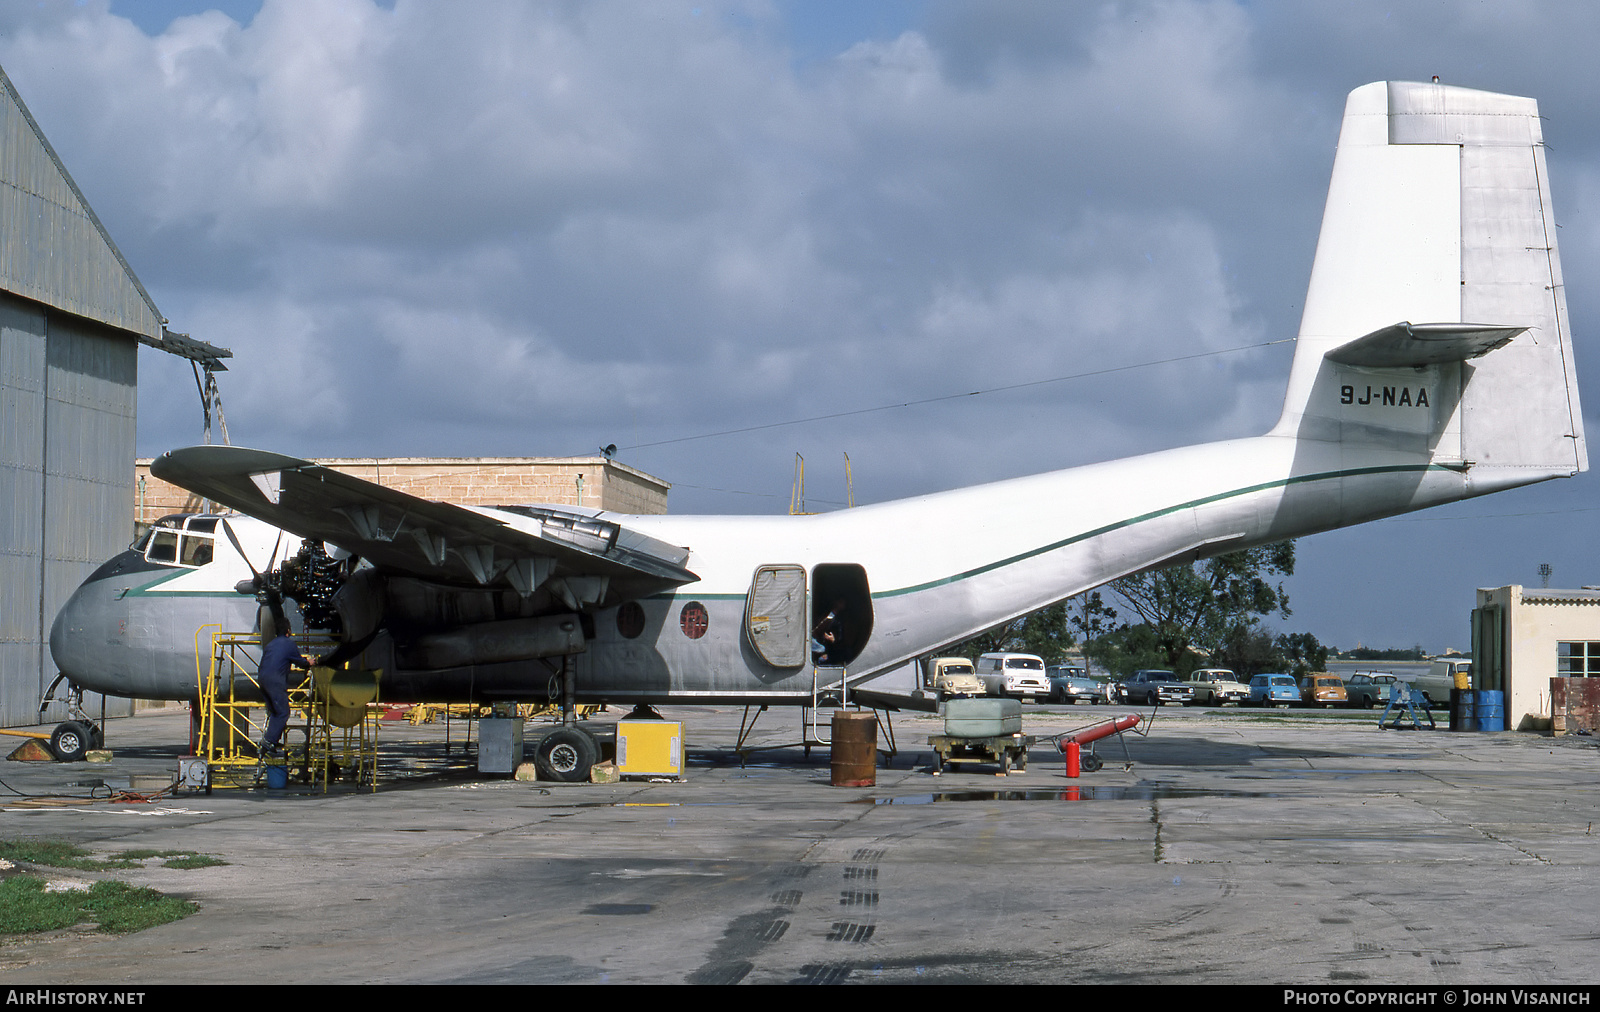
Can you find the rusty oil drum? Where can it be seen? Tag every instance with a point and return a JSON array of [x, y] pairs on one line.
[[854, 757]]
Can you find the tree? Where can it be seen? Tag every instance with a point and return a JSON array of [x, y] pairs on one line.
[[1092, 618], [1045, 632], [1126, 649], [1205, 604], [1249, 651], [1302, 653]]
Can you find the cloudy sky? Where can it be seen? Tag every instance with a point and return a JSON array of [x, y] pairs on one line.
[[537, 228]]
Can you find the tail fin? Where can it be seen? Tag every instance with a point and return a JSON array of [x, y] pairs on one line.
[[1436, 321]]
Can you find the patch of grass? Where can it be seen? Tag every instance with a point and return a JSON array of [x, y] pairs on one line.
[[121, 908], [25, 907], [169, 858], [115, 907], [192, 861], [58, 854], [53, 853]]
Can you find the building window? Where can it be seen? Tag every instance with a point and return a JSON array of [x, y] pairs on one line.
[[1578, 660]]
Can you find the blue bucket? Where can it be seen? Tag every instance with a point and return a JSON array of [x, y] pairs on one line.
[[1491, 705], [277, 777]]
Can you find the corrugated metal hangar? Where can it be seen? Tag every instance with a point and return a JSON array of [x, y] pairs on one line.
[[72, 315]]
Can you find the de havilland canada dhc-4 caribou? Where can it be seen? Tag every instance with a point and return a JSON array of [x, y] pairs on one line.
[[1433, 364]]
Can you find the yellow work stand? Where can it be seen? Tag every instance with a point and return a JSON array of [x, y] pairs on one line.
[[331, 708]]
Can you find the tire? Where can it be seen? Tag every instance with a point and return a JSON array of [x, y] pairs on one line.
[[1089, 763], [97, 736], [70, 741], [566, 755]]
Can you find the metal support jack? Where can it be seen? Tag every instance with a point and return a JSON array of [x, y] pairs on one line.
[[1403, 703], [886, 722]]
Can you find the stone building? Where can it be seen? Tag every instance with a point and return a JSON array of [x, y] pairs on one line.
[[592, 482], [1539, 647]]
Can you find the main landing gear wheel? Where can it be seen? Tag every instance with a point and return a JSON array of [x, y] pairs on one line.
[[566, 755], [70, 741]]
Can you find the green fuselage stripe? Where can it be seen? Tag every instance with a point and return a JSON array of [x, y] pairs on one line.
[[1165, 511], [150, 588]]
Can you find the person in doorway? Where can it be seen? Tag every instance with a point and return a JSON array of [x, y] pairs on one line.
[[827, 634], [277, 657]]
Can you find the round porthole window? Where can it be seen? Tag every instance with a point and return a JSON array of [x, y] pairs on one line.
[[694, 620], [630, 620]]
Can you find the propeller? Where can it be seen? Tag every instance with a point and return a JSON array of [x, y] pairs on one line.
[[260, 583]]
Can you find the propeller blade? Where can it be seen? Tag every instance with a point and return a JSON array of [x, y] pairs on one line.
[[273, 558], [227, 529]]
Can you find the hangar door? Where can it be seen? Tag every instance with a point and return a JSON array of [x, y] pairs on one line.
[[775, 615]]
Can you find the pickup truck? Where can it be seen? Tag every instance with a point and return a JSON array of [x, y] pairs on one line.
[[1217, 687], [1150, 687]]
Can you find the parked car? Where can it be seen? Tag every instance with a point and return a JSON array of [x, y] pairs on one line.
[[1217, 687], [1070, 683], [952, 677], [1151, 687], [1322, 689], [1020, 676], [1274, 690], [1364, 689]]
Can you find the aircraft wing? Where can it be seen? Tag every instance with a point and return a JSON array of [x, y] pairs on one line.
[[580, 559]]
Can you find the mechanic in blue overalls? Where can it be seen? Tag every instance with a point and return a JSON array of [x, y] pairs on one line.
[[276, 658]]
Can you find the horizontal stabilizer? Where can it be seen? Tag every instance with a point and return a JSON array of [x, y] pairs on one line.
[[1423, 344]]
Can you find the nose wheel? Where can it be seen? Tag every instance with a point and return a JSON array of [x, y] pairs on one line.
[[71, 741]]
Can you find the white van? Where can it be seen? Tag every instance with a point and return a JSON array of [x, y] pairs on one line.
[[1018, 675]]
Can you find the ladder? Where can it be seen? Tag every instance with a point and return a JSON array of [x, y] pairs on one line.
[[830, 690]]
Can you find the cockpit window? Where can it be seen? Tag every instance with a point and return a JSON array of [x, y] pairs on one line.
[[163, 547], [196, 550], [192, 548]]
